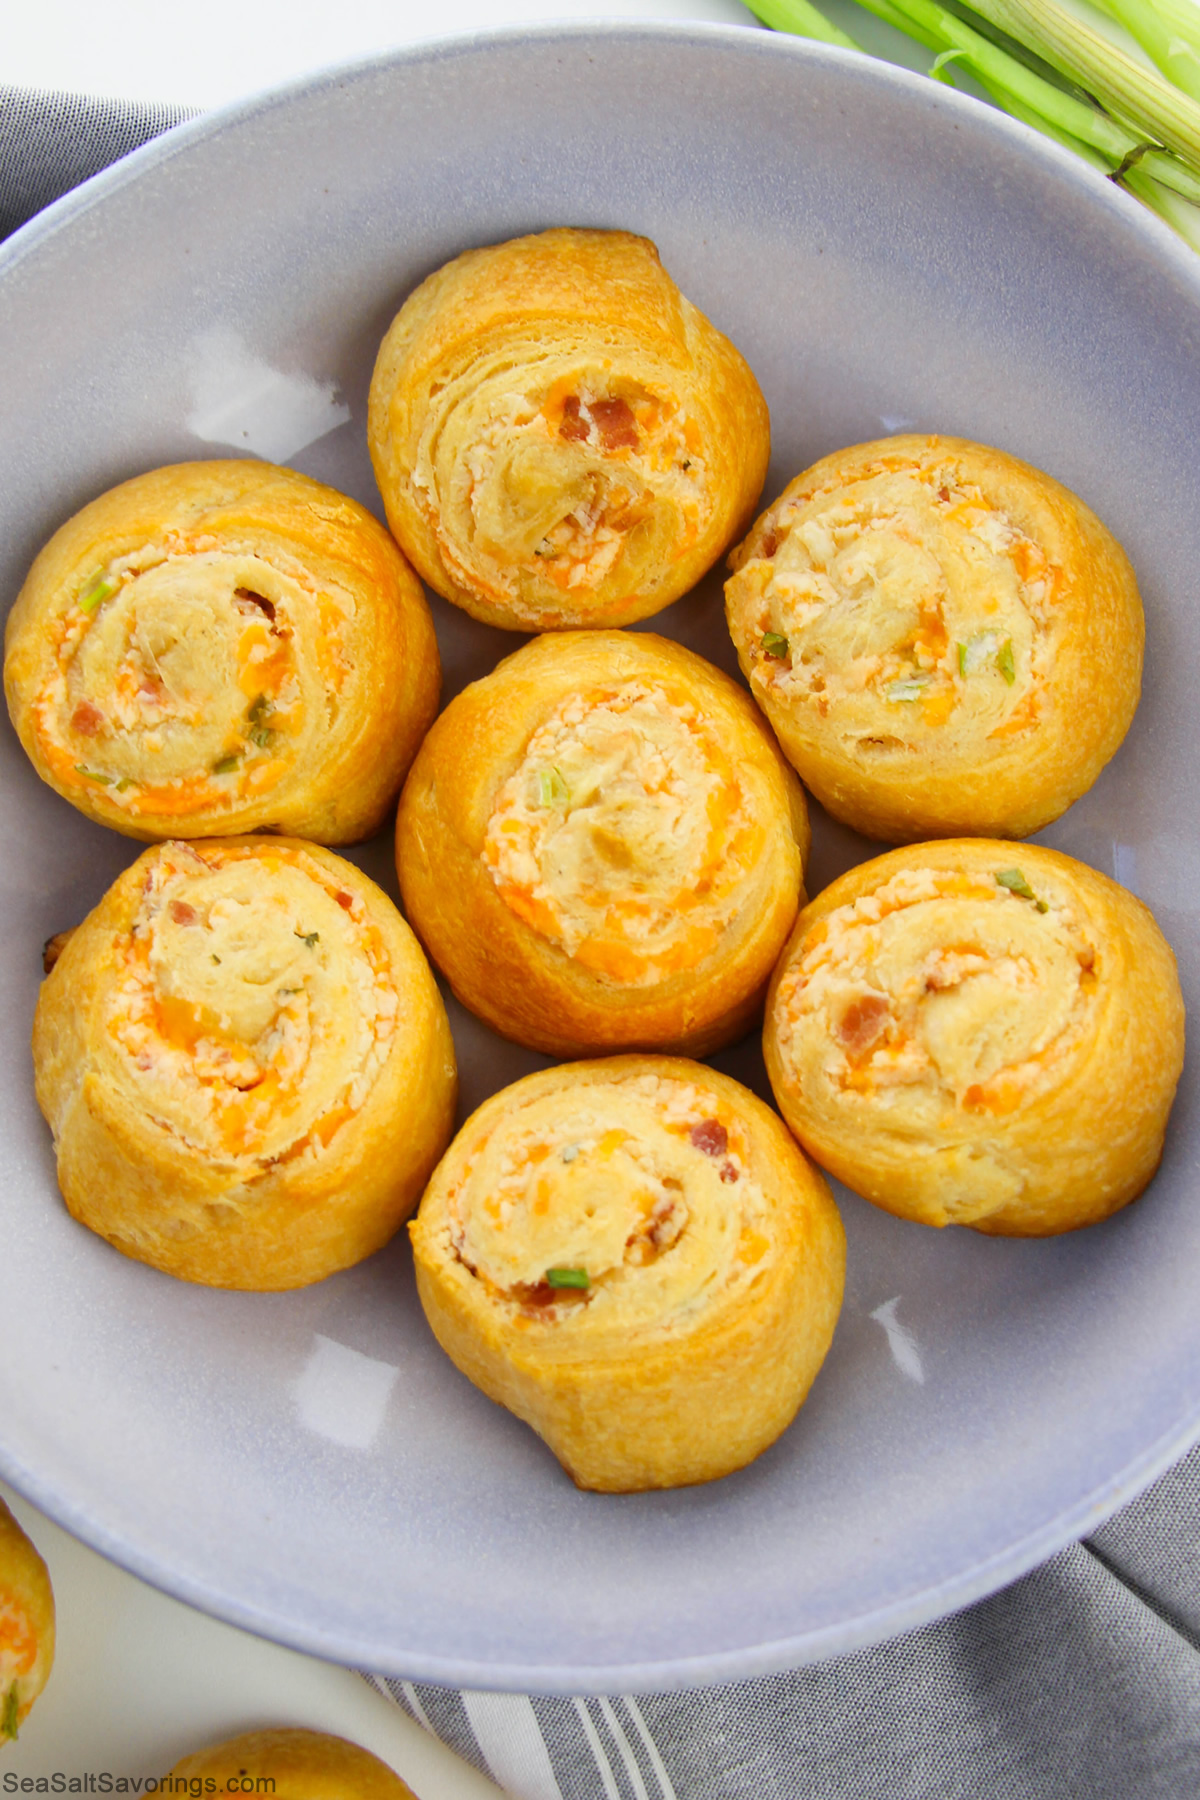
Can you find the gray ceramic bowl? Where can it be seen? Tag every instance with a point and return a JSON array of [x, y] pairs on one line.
[[887, 255]]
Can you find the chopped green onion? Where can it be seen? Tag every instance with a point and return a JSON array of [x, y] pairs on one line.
[[910, 688], [227, 765], [1005, 663], [1117, 82], [257, 714], [124, 783], [774, 643], [1015, 882], [215, 957], [310, 937], [8, 1721], [567, 1278], [99, 589], [552, 789], [93, 775]]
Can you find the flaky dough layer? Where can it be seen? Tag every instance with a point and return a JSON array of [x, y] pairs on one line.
[[602, 848], [947, 641], [976, 1036], [221, 647], [245, 1062], [560, 438], [633, 1257]]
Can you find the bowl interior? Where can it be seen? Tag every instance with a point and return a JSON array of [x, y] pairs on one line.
[[888, 257]]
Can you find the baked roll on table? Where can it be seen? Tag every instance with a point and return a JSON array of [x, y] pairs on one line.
[[602, 847], [946, 641], [26, 1625], [560, 438], [245, 1062], [969, 1037], [632, 1256], [297, 1764], [222, 647]]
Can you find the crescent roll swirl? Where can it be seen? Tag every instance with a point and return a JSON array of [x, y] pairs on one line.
[[602, 847], [298, 1764], [245, 1062], [972, 1039], [945, 640], [560, 438], [222, 647], [26, 1625], [632, 1256]]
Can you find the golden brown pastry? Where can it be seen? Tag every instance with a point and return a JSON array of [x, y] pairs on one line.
[[26, 1625], [602, 847], [223, 647], [245, 1062], [300, 1765], [560, 438], [969, 1036], [946, 640], [633, 1257]]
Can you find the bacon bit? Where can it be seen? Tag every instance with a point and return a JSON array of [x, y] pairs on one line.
[[87, 719], [862, 1022], [944, 495], [710, 1136], [769, 545], [346, 900], [182, 913], [250, 598], [541, 1294], [616, 424], [572, 427], [728, 1172], [53, 948]]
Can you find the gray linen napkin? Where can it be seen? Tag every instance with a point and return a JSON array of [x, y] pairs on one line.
[[1079, 1682]]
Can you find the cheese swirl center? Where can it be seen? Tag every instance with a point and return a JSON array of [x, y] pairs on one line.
[[255, 1005], [907, 600], [622, 836], [940, 990]]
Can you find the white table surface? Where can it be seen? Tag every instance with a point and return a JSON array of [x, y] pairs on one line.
[[140, 1679]]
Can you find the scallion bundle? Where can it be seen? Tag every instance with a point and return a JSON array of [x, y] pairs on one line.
[[1117, 81]]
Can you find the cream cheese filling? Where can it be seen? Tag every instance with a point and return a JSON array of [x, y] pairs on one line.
[[548, 487], [254, 1007], [191, 674], [622, 836], [906, 600], [635, 1192], [941, 996]]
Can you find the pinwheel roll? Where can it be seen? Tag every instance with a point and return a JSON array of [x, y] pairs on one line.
[[223, 647], [560, 438], [946, 640], [245, 1062], [973, 1038], [26, 1625], [602, 847], [297, 1765], [632, 1256]]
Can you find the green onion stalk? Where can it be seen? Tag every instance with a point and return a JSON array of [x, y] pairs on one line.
[[1116, 81]]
